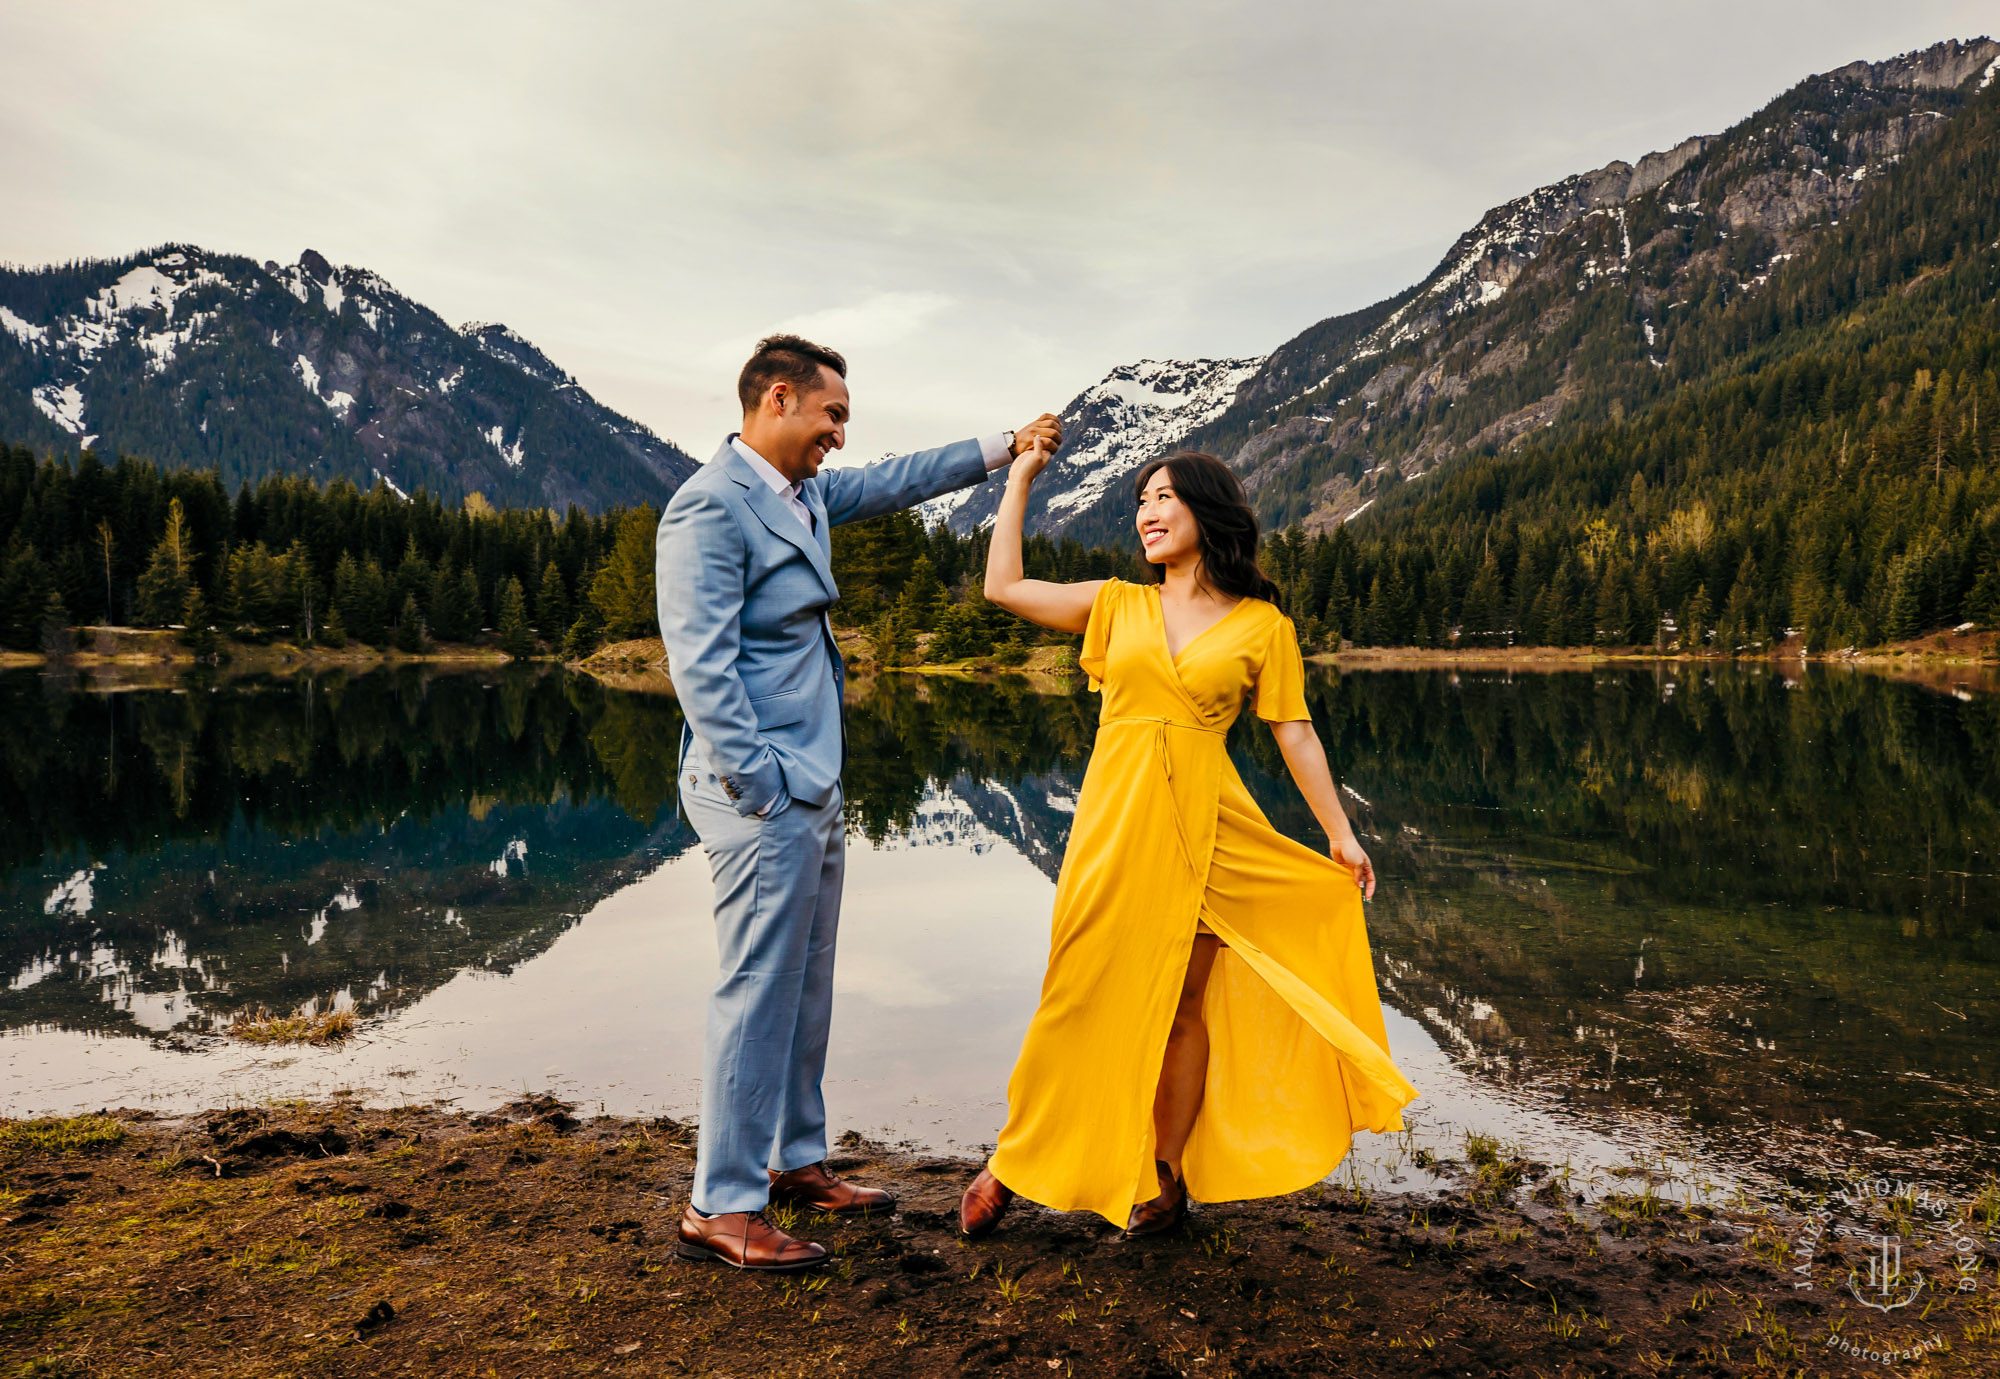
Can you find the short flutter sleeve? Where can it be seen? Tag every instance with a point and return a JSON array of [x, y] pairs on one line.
[[1097, 631], [1281, 679]]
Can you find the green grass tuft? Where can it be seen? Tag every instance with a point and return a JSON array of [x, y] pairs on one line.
[[60, 1135]]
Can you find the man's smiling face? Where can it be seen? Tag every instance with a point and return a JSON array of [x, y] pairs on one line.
[[811, 425]]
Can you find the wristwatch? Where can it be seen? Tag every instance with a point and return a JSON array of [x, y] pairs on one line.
[[1010, 441]]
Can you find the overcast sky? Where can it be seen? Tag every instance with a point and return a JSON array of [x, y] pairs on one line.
[[985, 205]]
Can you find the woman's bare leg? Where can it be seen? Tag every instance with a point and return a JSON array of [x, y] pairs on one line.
[[1185, 1068]]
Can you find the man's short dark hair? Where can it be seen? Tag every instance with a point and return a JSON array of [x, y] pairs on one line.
[[789, 359]]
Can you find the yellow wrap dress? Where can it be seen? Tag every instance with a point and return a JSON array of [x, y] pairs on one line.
[[1166, 838]]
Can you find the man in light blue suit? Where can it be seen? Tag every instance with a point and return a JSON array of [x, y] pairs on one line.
[[745, 578]]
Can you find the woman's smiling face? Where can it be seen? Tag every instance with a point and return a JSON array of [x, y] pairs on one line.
[[1167, 529]]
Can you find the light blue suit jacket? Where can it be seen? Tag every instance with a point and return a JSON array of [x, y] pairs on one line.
[[743, 590]]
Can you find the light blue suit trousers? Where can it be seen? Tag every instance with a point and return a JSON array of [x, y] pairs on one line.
[[777, 910], [744, 586]]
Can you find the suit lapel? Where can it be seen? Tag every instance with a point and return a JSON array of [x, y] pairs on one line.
[[779, 519]]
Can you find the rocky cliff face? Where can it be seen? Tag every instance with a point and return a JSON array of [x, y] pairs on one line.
[[1568, 304], [195, 358]]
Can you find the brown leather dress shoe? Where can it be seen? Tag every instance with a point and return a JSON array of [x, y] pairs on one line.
[[817, 1188], [745, 1240], [984, 1203], [1164, 1212]]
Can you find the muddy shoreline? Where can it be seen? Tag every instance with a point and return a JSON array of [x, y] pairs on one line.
[[339, 1240]]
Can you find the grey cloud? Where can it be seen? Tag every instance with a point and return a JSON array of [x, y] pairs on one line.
[[996, 202]]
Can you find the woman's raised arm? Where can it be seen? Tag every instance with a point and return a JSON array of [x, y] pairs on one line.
[[1064, 607]]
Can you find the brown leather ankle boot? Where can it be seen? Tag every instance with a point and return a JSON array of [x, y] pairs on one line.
[[1165, 1211], [984, 1203]]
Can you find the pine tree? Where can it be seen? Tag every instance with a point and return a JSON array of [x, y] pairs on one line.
[[923, 595], [552, 611], [334, 632], [961, 632], [623, 589], [25, 586], [163, 588], [895, 640], [197, 634], [517, 638], [585, 635], [1694, 621], [409, 636], [1904, 618]]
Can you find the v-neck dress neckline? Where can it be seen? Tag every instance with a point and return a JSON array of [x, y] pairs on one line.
[[1160, 612]]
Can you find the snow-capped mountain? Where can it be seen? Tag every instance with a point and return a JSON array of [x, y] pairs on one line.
[[1571, 303], [1136, 412], [191, 357]]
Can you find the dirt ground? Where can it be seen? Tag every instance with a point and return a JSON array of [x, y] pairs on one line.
[[333, 1240]]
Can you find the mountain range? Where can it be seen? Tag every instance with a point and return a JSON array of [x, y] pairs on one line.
[[1577, 305], [1582, 302], [202, 359]]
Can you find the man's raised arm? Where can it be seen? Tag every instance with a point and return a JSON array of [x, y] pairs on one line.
[[855, 495]]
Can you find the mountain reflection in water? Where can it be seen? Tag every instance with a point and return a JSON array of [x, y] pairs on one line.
[[1740, 907]]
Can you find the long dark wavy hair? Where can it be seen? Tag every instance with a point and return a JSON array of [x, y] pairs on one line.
[[1223, 520]]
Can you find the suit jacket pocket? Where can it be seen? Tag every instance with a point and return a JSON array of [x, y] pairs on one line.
[[776, 710]]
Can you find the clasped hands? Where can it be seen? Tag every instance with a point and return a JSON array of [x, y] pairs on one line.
[[1035, 444]]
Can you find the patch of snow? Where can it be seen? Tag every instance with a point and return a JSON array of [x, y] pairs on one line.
[[445, 385], [63, 406], [72, 897], [1489, 291], [1624, 230], [332, 295], [1968, 626], [516, 851], [391, 484], [1647, 326], [146, 288], [41, 967], [21, 329], [173, 952], [346, 900], [340, 402], [303, 367], [1344, 521], [1991, 68], [497, 438]]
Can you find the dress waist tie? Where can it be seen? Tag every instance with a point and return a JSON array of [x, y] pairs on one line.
[[1160, 724]]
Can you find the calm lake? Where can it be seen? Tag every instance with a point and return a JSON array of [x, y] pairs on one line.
[[1740, 924]]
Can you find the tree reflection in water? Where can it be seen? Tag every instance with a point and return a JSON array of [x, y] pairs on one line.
[[1716, 893]]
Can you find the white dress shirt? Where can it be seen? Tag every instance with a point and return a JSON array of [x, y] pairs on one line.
[[996, 449]]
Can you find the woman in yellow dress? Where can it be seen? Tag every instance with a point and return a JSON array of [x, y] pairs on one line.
[[1209, 1023]]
